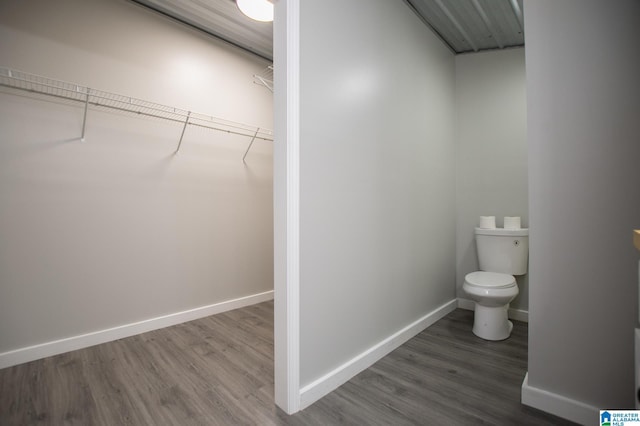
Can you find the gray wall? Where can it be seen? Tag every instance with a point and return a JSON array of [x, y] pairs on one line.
[[377, 210], [491, 151], [116, 230], [583, 134]]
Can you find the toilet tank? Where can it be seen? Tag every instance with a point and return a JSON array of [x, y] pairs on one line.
[[503, 250]]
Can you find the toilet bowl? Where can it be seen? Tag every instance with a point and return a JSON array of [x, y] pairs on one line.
[[492, 292]]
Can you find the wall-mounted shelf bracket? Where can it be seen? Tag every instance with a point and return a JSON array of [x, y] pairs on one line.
[[186, 123], [250, 143], [84, 118], [265, 78]]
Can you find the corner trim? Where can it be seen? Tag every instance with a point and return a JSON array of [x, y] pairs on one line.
[[287, 206], [558, 405], [332, 380], [514, 314], [55, 347], [293, 204]]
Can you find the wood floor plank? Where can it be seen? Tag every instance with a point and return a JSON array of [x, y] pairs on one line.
[[219, 371]]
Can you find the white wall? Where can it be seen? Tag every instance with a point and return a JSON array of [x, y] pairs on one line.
[[377, 204], [117, 230], [583, 112], [491, 151]]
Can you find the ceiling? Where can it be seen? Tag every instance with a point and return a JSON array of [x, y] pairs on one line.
[[220, 18], [463, 25]]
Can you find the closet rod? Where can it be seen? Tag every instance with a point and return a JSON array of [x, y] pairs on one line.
[[98, 98]]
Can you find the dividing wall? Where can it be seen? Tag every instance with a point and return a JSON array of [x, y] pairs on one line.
[[376, 187], [583, 109], [104, 234]]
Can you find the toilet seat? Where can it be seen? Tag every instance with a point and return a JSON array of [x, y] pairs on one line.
[[489, 280]]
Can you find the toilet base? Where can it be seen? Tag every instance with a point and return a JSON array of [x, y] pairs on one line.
[[492, 323]]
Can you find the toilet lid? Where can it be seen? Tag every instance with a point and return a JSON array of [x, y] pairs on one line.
[[490, 279]]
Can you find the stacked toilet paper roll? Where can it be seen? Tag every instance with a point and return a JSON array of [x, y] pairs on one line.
[[488, 222], [512, 222]]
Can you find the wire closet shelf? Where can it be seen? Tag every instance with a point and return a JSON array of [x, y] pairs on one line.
[[99, 98]]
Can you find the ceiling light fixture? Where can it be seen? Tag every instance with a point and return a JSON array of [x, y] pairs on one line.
[[258, 10]]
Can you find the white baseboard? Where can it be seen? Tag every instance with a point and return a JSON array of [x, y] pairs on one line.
[[43, 350], [334, 379], [514, 314], [558, 405]]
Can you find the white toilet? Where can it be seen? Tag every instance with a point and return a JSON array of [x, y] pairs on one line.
[[502, 253]]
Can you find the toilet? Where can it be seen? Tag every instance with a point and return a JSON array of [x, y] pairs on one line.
[[502, 253]]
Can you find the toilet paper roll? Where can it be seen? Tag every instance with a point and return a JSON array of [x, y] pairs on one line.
[[488, 222], [512, 222]]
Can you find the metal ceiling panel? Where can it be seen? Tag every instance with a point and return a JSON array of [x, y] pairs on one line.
[[473, 25], [437, 19], [507, 25], [464, 25], [221, 18]]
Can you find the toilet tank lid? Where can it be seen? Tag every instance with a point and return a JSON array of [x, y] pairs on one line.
[[490, 279], [522, 232]]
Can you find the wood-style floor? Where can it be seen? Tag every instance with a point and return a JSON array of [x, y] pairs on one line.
[[219, 371]]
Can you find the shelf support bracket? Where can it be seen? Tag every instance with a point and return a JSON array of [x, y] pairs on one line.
[[250, 143], [84, 119], [186, 122]]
